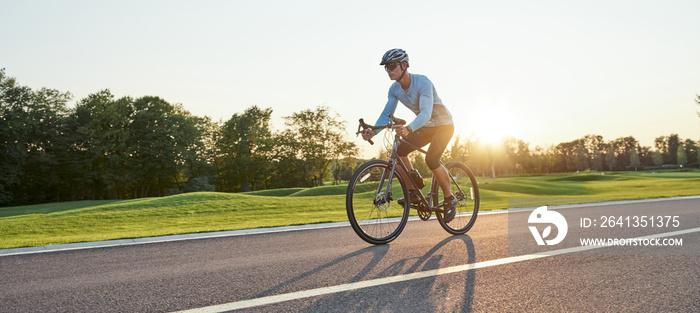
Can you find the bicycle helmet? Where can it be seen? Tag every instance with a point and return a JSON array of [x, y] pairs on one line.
[[394, 55]]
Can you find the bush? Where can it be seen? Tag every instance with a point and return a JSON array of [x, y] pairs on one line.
[[173, 191], [198, 184]]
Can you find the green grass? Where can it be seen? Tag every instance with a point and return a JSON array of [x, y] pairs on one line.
[[81, 221]]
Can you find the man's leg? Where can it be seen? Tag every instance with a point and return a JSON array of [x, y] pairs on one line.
[[438, 145], [409, 167], [442, 178], [432, 158], [418, 139], [412, 194]]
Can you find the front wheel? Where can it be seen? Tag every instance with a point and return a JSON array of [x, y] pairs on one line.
[[464, 186], [371, 202]]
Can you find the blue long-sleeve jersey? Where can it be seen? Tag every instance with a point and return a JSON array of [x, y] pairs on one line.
[[422, 99]]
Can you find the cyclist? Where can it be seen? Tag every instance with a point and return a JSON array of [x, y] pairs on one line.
[[432, 125]]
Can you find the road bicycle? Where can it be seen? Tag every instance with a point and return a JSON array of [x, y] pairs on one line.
[[373, 194]]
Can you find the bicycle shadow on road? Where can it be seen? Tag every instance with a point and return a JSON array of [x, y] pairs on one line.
[[451, 293], [377, 254], [430, 294]]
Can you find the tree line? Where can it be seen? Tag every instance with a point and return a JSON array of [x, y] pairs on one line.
[[120, 148], [515, 157]]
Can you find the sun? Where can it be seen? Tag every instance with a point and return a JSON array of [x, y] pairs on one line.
[[491, 124]]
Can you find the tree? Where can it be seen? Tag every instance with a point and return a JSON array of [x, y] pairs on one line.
[[343, 169], [595, 145], [566, 156], [681, 157], [202, 154], [245, 151], [634, 159], [597, 161], [144, 144], [286, 166], [581, 160], [29, 136], [673, 143], [660, 143], [12, 134], [623, 147], [668, 146], [658, 159], [321, 139], [544, 159], [646, 156], [80, 156], [610, 158], [517, 156], [461, 150], [111, 126], [691, 151]]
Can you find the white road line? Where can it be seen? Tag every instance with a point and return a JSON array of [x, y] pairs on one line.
[[401, 278]]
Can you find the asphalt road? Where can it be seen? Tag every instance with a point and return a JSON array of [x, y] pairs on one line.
[[332, 270]]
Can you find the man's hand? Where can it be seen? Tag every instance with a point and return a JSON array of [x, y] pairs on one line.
[[401, 130], [367, 134]]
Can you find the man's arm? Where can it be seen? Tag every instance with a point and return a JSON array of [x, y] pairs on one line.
[[389, 108], [425, 105]]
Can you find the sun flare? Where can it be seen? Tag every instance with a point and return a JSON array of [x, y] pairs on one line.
[[491, 124]]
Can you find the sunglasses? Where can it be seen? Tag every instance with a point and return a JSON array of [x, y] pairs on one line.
[[391, 66]]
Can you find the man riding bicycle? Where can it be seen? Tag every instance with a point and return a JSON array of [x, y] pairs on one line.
[[432, 125]]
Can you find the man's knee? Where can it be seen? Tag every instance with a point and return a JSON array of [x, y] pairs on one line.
[[433, 162]]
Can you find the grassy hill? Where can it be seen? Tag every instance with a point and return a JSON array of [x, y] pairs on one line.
[[68, 222]]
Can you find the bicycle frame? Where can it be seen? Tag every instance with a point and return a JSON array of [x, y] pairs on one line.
[[393, 158]]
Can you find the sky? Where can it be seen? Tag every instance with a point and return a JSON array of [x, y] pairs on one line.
[[544, 72]]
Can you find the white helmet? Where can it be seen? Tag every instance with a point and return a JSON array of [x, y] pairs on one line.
[[394, 55]]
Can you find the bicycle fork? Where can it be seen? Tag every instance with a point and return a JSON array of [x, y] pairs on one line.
[[383, 198]]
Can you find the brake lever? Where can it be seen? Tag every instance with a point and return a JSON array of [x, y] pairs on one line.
[[362, 124]]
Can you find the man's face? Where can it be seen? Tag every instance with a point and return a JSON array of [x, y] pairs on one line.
[[393, 69]]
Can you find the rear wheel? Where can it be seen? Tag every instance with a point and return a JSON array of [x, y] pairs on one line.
[[464, 186], [372, 208]]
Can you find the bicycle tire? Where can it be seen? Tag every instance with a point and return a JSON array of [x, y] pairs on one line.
[[374, 220], [467, 189]]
